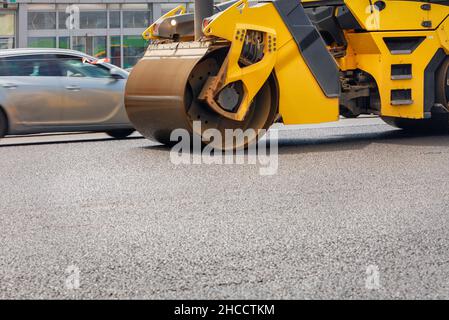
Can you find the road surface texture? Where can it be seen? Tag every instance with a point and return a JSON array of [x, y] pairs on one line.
[[357, 210]]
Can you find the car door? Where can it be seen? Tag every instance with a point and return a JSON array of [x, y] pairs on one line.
[[32, 89], [91, 96]]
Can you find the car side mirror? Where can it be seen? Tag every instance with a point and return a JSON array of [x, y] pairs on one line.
[[115, 74]]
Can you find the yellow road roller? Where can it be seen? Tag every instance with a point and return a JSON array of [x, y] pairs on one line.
[[244, 65]]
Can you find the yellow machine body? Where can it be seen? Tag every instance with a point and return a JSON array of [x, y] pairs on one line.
[[369, 52], [300, 97], [301, 100]]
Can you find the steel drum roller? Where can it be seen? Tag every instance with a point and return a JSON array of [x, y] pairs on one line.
[[163, 89]]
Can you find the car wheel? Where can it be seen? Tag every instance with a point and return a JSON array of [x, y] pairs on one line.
[[3, 124], [348, 114], [120, 134]]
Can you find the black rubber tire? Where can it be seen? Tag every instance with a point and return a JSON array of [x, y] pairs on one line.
[[120, 134], [418, 126], [438, 124], [3, 124], [348, 114]]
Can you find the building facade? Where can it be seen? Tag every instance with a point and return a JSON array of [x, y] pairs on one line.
[[101, 28]]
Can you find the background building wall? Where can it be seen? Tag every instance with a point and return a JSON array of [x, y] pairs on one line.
[[8, 26], [107, 28]]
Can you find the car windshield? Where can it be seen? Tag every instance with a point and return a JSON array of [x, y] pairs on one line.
[[75, 67]]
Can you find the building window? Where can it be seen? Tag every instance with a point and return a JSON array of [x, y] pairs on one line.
[[91, 16], [114, 19], [41, 20], [138, 16], [93, 20], [64, 42], [7, 30], [166, 7], [116, 54], [62, 24], [136, 19], [133, 49], [7, 24], [94, 46], [6, 43], [42, 42], [105, 30]]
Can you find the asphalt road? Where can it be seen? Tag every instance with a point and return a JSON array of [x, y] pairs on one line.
[[348, 199]]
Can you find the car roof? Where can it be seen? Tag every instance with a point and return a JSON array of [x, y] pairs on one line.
[[26, 51]]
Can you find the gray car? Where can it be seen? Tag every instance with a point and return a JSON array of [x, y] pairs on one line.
[[55, 90]]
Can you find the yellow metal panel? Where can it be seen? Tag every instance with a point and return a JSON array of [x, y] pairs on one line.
[[378, 64], [232, 25], [363, 43], [443, 34], [301, 98], [397, 15]]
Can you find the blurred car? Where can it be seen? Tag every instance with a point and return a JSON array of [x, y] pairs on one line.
[[57, 90]]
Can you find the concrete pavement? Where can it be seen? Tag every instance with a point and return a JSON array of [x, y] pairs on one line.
[[349, 199]]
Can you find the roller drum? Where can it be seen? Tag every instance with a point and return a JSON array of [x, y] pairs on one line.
[[155, 91], [163, 89]]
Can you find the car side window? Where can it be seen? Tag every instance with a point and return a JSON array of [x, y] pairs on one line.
[[29, 66], [4, 68], [73, 67]]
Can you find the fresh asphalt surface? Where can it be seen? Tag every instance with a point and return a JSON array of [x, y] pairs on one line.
[[347, 196]]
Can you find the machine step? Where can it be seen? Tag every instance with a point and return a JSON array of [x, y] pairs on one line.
[[401, 97], [401, 102], [401, 72]]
